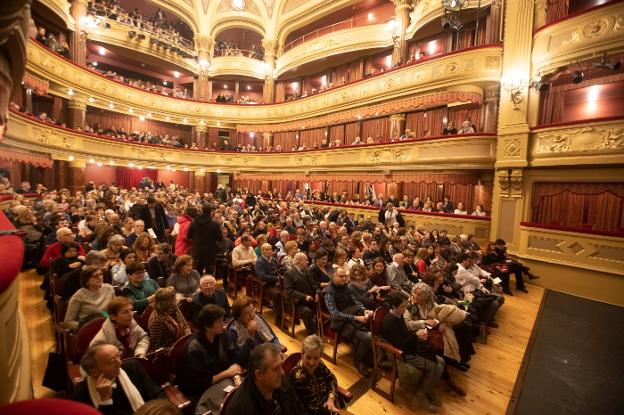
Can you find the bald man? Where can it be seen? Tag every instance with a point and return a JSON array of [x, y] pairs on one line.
[[210, 294], [267, 269], [299, 285]]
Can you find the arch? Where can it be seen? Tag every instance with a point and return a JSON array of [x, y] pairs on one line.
[[243, 22], [188, 15]]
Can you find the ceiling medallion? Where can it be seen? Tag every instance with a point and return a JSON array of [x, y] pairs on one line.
[[238, 4]]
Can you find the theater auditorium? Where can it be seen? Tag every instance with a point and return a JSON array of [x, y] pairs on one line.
[[291, 207]]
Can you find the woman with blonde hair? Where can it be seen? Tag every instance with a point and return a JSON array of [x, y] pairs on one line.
[[166, 323]]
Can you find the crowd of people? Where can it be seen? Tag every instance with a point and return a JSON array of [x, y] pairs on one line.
[[226, 48], [226, 97], [115, 251], [176, 91], [52, 43], [156, 25]]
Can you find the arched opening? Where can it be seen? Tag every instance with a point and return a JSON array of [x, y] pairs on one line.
[[239, 42]]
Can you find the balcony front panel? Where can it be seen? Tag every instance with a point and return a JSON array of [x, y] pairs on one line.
[[118, 35], [342, 41], [469, 152], [426, 11], [599, 142], [237, 65], [61, 9], [580, 37], [456, 71], [575, 249]]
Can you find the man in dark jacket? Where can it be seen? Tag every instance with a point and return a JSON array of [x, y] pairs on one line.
[[155, 217], [204, 233], [299, 286], [266, 268], [104, 369], [210, 294], [390, 215], [265, 390]]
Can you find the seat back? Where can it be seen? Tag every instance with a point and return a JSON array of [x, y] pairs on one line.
[[186, 310], [377, 319], [226, 401], [143, 318], [290, 362], [176, 354], [82, 338], [157, 368]]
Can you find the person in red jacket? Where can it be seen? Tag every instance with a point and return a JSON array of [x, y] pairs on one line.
[[54, 251], [183, 244]]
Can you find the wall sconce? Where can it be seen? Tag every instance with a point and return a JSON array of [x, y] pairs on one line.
[[515, 83]]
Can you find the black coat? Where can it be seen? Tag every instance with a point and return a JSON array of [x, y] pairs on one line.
[[121, 406], [248, 400], [159, 224], [381, 217], [299, 284], [204, 233]]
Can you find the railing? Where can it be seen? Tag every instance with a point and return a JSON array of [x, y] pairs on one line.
[[253, 54], [344, 24], [562, 8]]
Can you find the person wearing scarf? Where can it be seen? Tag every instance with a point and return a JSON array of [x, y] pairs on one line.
[[121, 330], [166, 323], [249, 328], [113, 387]]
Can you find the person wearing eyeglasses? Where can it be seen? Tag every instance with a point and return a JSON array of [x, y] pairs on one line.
[[91, 300], [138, 288]]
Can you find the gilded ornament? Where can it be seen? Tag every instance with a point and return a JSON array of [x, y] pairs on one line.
[[492, 61], [584, 139], [512, 147], [596, 28], [618, 25]]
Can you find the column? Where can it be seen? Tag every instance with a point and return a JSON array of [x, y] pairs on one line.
[[490, 109], [200, 136], [268, 92], [397, 126], [401, 17], [77, 109], [267, 140], [76, 176], [203, 85], [78, 40], [508, 202], [236, 90], [199, 181]]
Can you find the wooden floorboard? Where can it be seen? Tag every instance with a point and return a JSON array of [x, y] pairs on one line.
[[489, 382]]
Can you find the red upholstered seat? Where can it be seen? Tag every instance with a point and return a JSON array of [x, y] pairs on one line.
[[48, 407]]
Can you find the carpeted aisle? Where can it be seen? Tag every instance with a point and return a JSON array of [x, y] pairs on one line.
[[575, 364]]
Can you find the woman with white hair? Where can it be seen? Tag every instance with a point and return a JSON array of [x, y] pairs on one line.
[[466, 128], [313, 382]]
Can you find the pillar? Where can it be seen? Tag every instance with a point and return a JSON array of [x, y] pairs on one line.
[[267, 140], [490, 109], [401, 17], [236, 90], [509, 201], [199, 181], [397, 126], [78, 40], [76, 175], [540, 14], [77, 109], [200, 136], [268, 92], [203, 85]]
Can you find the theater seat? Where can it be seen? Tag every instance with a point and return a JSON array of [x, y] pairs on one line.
[[48, 407]]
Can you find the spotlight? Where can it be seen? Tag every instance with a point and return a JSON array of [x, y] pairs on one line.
[[141, 36], [541, 83], [577, 77], [604, 63], [132, 34]]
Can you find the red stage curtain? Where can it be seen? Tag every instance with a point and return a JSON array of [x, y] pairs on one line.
[[286, 139], [108, 119], [374, 127], [311, 138], [352, 130], [128, 177], [599, 205]]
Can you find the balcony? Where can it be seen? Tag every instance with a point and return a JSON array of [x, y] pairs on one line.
[[475, 151], [462, 70], [595, 251], [578, 37], [585, 142], [238, 65], [61, 9]]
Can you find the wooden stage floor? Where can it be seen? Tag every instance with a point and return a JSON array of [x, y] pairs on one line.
[[488, 383]]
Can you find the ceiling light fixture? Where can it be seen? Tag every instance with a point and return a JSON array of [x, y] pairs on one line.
[[604, 63], [102, 51]]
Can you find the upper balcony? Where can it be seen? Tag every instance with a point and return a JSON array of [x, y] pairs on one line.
[[474, 151], [244, 63], [462, 70], [579, 36]]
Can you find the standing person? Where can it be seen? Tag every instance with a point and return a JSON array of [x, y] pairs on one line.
[[182, 243], [154, 215], [204, 234]]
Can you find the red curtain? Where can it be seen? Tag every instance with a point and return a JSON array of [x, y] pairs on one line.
[[459, 115], [337, 132], [374, 127], [557, 9], [551, 106], [423, 122], [280, 91], [596, 205], [311, 138], [108, 119], [286, 139], [128, 177], [352, 130]]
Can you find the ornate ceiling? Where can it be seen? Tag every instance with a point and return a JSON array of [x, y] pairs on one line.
[[274, 19]]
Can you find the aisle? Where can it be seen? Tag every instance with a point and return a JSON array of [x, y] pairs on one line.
[[488, 383]]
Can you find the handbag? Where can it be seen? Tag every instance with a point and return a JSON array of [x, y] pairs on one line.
[[55, 376], [436, 339]]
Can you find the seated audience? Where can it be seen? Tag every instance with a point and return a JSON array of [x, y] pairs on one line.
[[184, 279], [166, 323], [466, 128], [111, 386], [54, 251], [113, 249], [397, 279], [449, 129], [315, 385], [161, 264], [209, 294], [362, 288], [118, 271], [120, 330], [91, 300], [68, 260], [70, 282], [301, 287], [267, 269], [139, 289]]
